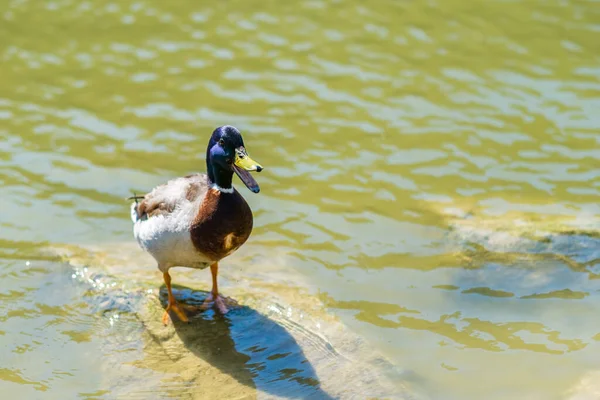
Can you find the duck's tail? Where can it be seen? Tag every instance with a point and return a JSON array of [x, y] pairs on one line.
[[133, 211]]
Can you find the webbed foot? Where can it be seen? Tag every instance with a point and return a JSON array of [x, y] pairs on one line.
[[221, 303]]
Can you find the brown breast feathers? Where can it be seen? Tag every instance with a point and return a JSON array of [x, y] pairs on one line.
[[222, 225]]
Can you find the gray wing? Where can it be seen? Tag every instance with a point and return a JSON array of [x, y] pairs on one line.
[[163, 199]]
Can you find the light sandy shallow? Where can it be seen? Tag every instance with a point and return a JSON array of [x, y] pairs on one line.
[[210, 356], [523, 244], [207, 358]]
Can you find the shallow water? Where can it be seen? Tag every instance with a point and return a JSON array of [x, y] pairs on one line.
[[379, 128]]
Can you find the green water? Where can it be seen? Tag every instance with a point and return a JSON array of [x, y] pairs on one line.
[[372, 121]]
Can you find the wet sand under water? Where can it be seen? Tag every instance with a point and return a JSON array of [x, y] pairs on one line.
[[282, 341], [285, 341], [278, 343], [527, 269]]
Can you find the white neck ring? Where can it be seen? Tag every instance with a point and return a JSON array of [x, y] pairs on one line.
[[222, 190]]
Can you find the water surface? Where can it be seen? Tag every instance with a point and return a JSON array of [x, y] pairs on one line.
[[374, 124]]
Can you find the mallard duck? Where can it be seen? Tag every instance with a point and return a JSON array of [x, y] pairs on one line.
[[197, 220]]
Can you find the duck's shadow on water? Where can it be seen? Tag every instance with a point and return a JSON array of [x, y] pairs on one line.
[[248, 346]]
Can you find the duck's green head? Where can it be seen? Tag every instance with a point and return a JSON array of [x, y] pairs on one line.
[[226, 154]]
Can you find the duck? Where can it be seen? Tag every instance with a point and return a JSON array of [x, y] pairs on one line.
[[197, 220]]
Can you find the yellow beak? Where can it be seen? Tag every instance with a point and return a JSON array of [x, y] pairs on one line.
[[242, 165], [243, 161]]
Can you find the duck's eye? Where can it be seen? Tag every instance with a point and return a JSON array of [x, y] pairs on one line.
[[221, 142]]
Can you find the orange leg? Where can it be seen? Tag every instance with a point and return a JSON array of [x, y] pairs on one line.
[[172, 303], [220, 302], [214, 271]]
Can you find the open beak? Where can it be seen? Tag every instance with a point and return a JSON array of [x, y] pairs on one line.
[[242, 165]]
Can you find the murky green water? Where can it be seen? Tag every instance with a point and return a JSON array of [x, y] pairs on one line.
[[374, 124]]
